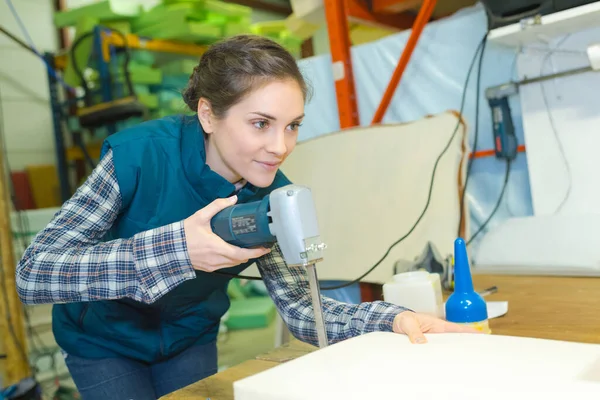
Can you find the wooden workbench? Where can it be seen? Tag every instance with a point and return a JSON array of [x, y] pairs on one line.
[[542, 307]]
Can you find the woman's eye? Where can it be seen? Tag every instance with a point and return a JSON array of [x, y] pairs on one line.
[[261, 124], [294, 126]]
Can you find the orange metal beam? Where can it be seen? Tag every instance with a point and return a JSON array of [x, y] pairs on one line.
[[492, 152], [358, 12], [422, 19], [158, 45], [393, 6], [336, 12]]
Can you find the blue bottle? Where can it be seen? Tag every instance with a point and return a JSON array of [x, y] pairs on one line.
[[465, 305]]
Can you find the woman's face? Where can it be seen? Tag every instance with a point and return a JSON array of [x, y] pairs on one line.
[[256, 135]]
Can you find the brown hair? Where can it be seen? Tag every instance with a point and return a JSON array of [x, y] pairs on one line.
[[233, 67]]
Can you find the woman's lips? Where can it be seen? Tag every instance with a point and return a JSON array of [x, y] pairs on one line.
[[269, 165]]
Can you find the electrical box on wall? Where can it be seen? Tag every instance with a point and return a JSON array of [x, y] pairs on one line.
[[505, 12], [547, 20]]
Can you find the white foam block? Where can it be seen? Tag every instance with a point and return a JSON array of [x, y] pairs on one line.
[[385, 365]]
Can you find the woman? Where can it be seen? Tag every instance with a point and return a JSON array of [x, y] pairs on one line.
[[129, 260]]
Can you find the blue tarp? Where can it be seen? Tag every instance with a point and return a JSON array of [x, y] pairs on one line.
[[433, 83]]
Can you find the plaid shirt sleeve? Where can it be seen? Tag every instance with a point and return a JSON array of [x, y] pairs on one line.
[[288, 287], [67, 262]]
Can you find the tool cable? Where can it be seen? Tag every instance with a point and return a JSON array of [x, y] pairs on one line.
[[498, 202], [432, 181], [470, 160], [31, 46]]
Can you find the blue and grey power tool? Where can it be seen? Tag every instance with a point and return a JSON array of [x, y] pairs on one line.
[[505, 140], [245, 225], [287, 217]]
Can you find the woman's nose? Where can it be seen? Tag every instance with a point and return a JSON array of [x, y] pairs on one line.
[[277, 144]]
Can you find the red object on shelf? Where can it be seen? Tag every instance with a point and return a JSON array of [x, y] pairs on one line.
[[24, 197]]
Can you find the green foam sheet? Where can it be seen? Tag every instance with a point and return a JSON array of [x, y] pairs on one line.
[[108, 10], [253, 312]]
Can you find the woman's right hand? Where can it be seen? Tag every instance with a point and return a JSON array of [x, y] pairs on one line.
[[207, 251]]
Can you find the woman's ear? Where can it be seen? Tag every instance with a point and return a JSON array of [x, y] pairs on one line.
[[205, 115]]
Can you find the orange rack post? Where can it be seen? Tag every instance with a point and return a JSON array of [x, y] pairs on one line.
[[422, 19], [390, 13], [336, 12]]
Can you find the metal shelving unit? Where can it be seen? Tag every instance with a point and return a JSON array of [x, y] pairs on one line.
[[105, 43]]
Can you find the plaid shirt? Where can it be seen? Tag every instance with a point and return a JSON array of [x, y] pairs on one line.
[[67, 262]]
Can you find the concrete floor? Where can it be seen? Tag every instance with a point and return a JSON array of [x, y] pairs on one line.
[[235, 347]]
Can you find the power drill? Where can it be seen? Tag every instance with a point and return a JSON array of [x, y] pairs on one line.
[[288, 217], [505, 140]]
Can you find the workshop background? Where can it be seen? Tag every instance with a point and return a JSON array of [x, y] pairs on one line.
[[49, 146]]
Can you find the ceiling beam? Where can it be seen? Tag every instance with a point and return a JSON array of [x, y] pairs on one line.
[[284, 9]]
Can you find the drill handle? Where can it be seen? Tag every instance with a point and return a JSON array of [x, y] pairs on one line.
[[245, 225]]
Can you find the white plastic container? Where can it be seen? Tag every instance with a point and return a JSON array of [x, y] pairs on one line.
[[419, 291]]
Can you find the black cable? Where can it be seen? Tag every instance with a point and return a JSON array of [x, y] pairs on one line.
[[500, 197], [78, 72], [34, 52], [86, 154], [127, 50], [251, 278], [87, 93], [462, 105], [18, 41], [76, 68], [470, 161]]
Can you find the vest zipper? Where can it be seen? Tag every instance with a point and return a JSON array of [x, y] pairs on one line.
[[162, 347], [83, 312], [160, 335]]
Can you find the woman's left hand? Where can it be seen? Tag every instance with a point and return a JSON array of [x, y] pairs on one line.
[[414, 325]]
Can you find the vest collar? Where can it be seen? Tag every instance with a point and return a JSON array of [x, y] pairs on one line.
[[206, 182]]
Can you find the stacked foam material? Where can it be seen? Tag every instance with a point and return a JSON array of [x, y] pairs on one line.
[[191, 21], [159, 79], [279, 32], [250, 308], [199, 21]]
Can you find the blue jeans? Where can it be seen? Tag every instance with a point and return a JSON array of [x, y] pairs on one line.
[[124, 379]]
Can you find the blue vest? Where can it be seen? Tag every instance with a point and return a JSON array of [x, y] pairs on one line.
[[163, 178]]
